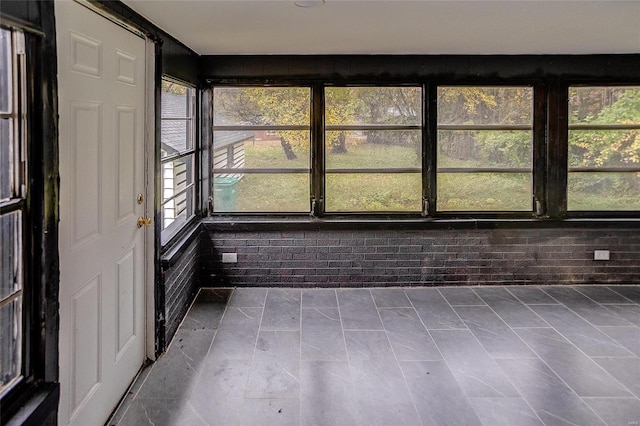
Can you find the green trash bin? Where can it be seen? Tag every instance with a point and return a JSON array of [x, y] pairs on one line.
[[225, 193]]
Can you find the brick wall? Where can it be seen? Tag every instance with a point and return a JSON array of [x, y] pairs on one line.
[[181, 282], [419, 257]]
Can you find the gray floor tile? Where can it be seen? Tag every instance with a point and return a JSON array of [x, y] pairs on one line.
[[602, 294], [282, 310], [510, 309], [504, 412], [160, 412], [179, 367], [497, 338], [358, 311], [463, 296], [237, 334], [409, 339], [550, 398], [327, 396], [577, 370], [433, 309], [625, 370], [390, 298], [591, 311], [437, 395], [240, 379], [380, 391], [579, 332], [616, 411], [629, 312], [471, 365], [248, 297], [219, 394], [207, 309], [269, 412], [275, 369], [319, 298], [322, 338], [631, 292], [531, 295], [629, 337]]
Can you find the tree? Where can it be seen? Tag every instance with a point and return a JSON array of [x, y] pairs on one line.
[[268, 106]]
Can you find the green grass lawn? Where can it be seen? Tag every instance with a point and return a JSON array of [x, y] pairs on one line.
[[396, 192]]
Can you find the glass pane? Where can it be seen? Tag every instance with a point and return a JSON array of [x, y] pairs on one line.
[[373, 192], [604, 105], [10, 343], [176, 137], [6, 163], [176, 211], [282, 149], [604, 148], [484, 192], [176, 100], [10, 254], [373, 149], [373, 105], [485, 105], [261, 193], [5, 71], [495, 148], [176, 175], [284, 106], [603, 191]]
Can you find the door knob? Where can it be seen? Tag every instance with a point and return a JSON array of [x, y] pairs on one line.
[[144, 221]]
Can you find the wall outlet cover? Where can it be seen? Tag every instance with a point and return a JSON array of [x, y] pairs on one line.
[[601, 255], [229, 257]]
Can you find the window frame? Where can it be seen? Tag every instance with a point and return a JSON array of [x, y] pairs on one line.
[[170, 232], [537, 154], [322, 145], [568, 169], [267, 128], [550, 148], [19, 203]]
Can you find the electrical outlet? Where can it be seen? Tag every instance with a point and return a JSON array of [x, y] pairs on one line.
[[601, 255], [229, 257]]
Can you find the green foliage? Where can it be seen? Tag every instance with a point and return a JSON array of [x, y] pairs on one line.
[[604, 148]]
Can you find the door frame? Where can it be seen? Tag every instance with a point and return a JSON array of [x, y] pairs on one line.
[[150, 134]]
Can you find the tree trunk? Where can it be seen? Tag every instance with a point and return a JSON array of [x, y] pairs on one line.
[[338, 145], [288, 151]]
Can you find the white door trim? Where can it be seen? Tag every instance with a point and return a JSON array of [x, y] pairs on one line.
[[149, 206]]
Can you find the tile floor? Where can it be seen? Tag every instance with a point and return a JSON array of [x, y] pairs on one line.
[[399, 356]]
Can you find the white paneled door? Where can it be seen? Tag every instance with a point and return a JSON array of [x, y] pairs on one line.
[[101, 78]]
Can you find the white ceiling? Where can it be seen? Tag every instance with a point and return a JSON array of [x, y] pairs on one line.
[[215, 27]]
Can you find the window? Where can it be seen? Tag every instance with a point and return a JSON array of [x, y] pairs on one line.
[[485, 149], [261, 149], [12, 208], [604, 148], [373, 149], [178, 160]]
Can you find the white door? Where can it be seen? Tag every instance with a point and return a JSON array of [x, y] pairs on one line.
[[101, 78]]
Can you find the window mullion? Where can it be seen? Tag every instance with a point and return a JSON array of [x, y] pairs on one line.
[[539, 150], [430, 149], [317, 150], [557, 149]]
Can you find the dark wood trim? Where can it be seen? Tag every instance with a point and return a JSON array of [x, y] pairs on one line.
[[557, 149], [446, 69], [539, 150], [317, 150], [240, 224]]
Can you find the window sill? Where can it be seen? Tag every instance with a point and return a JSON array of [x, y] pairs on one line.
[[254, 223], [37, 407], [173, 252]]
